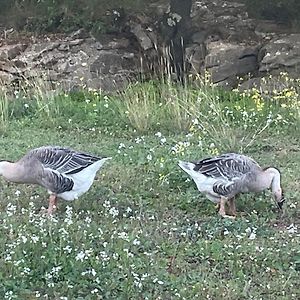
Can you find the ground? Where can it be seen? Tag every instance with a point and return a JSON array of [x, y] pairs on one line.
[[143, 231]]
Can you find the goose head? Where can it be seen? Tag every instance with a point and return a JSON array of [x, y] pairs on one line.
[[3, 167], [274, 176], [8, 170]]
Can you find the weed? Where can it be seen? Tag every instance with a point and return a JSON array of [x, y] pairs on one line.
[[4, 113]]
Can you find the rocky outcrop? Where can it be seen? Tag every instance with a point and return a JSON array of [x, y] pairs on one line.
[[222, 40], [9, 52], [281, 55], [71, 63], [229, 45], [226, 62]]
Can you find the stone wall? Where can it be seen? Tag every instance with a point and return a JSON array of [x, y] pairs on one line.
[[223, 41]]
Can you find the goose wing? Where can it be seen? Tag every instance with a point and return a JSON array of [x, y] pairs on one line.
[[55, 182], [227, 166], [225, 188], [63, 160]]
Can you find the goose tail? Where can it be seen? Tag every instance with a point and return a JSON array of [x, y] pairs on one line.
[[186, 166], [98, 164]]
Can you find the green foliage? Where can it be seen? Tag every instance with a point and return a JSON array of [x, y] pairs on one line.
[[143, 231], [65, 15], [230, 120]]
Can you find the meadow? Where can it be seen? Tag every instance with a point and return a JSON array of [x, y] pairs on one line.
[[143, 231]]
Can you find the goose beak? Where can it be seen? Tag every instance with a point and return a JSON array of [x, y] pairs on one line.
[[280, 203], [280, 199]]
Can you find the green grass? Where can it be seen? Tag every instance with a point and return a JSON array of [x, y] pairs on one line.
[[143, 231]]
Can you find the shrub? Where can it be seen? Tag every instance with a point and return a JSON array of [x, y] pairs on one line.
[[64, 15]]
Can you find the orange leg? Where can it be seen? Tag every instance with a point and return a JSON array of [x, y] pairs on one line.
[[222, 211], [52, 204], [232, 206]]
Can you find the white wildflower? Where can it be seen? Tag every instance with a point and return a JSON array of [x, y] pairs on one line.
[[292, 229], [94, 291], [252, 236], [80, 256], [106, 204], [37, 294], [114, 212], [226, 232], [136, 242], [35, 239], [68, 249], [123, 235], [163, 140], [24, 239], [248, 230]]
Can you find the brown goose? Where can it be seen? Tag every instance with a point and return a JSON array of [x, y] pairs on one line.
[[222, 177], [64, 172]]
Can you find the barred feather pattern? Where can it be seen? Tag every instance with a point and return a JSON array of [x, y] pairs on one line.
[[224, 188], [230, 174], [57, 183], [63, 160], [231, 169], [227, 166], [59, 165]]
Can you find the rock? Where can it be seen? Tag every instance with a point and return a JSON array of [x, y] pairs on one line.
[[6, 78], [9, 67], [79, 34], [110, 83], [111, 62], [76, 42], [223, 40], [199, 37], [226, 61], [112, 70], [269, 29], [19, 63], [51, 59], [98, 46], [195, 55], [118, 44], [51, 75], [49, 47], [266, 85], [142, 37], [11, 51], [228, 19], [64, 67], [64, 47], [281, 55]]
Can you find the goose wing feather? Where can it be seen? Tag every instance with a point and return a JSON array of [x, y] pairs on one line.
[[227, 166], [55, 182], [224, 188], [63, 160]]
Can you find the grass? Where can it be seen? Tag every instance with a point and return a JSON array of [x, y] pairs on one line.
[[143, 231], [3, 112]]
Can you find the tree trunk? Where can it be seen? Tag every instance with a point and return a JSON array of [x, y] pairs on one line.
[[175, 31]]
